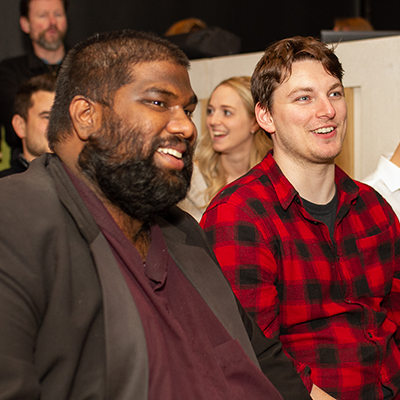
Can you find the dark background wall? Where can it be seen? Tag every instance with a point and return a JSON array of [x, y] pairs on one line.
[[258, 23]]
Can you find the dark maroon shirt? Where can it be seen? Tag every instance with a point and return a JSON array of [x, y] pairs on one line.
[[191, 355]]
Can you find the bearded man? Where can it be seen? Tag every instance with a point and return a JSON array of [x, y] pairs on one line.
[[45, 22], [107, 289]]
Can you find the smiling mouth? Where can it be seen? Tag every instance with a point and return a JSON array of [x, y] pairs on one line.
[[171, 152], [324, 130], [219, 133]]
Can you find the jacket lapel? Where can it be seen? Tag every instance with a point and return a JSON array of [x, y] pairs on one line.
[[209, 281], [126, 351]]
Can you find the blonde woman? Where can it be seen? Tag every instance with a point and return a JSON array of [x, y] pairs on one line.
[[233, 144]]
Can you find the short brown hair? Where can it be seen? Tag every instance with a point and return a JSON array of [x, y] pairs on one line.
[[23, 99], [275, 65], [97, 67]]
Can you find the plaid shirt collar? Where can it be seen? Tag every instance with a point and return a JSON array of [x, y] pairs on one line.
[[347, 189]]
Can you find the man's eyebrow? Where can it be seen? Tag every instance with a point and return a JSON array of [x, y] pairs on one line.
[[335, 85], [168, 93], [311, 89], [301, 90], [157, 90]]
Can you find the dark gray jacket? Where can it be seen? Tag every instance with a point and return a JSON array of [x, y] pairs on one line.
[[68, 326]]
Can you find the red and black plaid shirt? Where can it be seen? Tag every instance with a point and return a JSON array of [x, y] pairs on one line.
[[334, 305]]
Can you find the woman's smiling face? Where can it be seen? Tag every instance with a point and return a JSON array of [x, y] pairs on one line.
[[229, 123]]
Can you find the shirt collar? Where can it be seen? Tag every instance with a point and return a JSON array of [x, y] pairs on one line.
[[34, 62], [23, 160], [283, 188], [347, 189]]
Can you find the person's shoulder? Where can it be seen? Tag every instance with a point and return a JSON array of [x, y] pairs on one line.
[[353, 187], [10, 171], [370, 201], [33, 207], [256, 184], [179, 219], [14, 70], [7, 172], [365, 188], [33, 186], [20, 165], [371, 178], [14, 61]]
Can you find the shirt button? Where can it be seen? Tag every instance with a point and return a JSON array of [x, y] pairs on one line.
[[370, 335]]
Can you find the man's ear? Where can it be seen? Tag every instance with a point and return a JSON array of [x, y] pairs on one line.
[[25, 25], [19, 125], [86, 116], [264, 119]]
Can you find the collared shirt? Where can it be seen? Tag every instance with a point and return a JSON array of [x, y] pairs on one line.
[[386, 180], [190, 354], [335, 305]]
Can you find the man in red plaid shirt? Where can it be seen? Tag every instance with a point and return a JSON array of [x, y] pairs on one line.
[[312, 254]]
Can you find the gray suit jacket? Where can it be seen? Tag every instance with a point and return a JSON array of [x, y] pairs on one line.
[[68, 326]]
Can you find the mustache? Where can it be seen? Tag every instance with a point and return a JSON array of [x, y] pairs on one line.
[[52, 27]]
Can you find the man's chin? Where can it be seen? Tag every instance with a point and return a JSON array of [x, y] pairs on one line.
[[50, 45]]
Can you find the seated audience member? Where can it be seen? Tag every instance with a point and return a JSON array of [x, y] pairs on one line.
[[233, 144], [45, 22], [312, 254], [107, 289], [386, 179], [32, 110]]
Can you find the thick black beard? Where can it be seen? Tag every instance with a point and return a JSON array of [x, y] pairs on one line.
[[114, 160]]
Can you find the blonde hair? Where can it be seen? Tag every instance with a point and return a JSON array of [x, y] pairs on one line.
[[209, 161]]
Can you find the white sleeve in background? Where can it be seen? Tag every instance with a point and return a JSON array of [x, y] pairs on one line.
[[386, 181]]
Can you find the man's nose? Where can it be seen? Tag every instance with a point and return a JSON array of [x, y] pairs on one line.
[[181, 124], [326, 109], [52, 19]]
